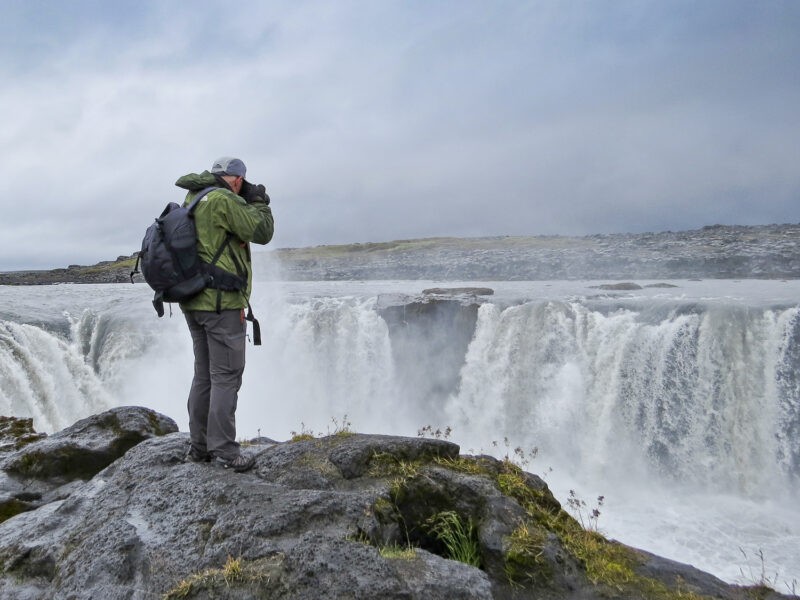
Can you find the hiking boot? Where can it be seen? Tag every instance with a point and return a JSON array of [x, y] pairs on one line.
[[240, 464], [196, 456]]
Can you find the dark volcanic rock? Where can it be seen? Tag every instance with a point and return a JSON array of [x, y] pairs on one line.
[[315, 519], [623, 286], [459, 291], [430, 336]]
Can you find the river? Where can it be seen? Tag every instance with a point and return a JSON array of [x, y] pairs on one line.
[[679, 405]]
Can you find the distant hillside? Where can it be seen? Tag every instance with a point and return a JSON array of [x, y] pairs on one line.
[[109, 271], [716, 251]]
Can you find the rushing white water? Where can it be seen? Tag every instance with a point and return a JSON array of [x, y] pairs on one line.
[[681, 406], [695, 396]]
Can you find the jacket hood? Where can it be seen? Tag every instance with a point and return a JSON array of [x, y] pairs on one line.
[[195, 182]]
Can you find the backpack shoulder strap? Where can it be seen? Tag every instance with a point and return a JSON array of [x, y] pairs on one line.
[[200, 195], [135, 266], [256, 326]]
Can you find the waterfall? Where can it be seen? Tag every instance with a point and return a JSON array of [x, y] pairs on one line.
[[68, 369], [701, 395], [707, 394], [684, 412], [322, 360], [47, 378]]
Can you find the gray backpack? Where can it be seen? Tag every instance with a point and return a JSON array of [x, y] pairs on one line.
[[170, 264]]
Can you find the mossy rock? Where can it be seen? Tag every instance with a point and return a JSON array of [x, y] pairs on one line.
[[16, 433], [85, 448], [11, 507]]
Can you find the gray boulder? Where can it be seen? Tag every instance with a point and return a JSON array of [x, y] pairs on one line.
[[345, 516], [83, 449], [37, 469]]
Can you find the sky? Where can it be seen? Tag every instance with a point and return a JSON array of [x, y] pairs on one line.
[[377, 120]]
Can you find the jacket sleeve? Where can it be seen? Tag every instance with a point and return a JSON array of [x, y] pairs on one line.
[[266, 226], [249, 222]]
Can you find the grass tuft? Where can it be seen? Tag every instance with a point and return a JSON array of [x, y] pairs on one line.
[[459, 537], [385, 464], [234, 572], [395, 551]]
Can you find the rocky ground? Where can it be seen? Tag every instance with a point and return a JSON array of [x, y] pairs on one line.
[[110, 271], [769, 251], [717, 251], [108, 509]]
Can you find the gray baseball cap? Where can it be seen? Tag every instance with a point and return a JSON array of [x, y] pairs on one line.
[[228, 165]]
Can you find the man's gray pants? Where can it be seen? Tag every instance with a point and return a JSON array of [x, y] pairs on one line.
[[219, 344]]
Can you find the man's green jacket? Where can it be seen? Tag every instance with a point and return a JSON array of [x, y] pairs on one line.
[[219, 213]]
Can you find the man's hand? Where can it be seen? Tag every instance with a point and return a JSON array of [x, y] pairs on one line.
[[254, 193]]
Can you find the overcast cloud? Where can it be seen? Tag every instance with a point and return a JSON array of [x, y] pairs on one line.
[[376, 120]]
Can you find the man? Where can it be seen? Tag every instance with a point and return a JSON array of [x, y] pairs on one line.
[[227, 219]]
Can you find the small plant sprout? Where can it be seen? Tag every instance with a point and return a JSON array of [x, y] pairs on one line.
[[793, 587], [521, 457], [439, 434], [587, 518], [762, 579], [343, 427], [303, 434], [232, 570]]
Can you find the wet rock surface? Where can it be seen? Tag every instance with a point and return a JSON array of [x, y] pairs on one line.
[[430, 335], [344, 516]]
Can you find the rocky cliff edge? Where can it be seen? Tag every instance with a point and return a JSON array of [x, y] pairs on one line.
[[108, 509]]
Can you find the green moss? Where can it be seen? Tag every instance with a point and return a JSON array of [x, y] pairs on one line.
[[109, 267], [15, 426], [462, 464], [11, 508], [539, 503], [20, 431], [385, 464], [29, 464], [383, 506], [524, 560], [68, 462], [607, 564], [155, 424], [759, 592], [24, 440], [348, 250], [110, 421], [396, 552], [317, 463]]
